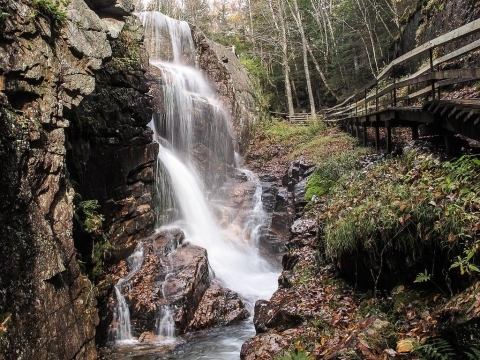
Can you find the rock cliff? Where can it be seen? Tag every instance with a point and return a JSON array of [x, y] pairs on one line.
[[73, 109], [222, 67]]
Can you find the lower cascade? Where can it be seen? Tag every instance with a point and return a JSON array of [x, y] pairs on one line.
[[210, 220]]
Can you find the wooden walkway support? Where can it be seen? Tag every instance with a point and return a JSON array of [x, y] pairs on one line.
[[386, 100]]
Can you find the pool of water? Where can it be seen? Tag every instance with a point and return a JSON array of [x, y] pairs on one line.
[[222, 343]]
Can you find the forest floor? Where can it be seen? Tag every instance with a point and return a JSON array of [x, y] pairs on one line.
[[382, 260]]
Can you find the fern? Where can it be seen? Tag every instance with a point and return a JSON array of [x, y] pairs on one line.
[[472, 354], [423, 277], [92, 220], [437, 349]]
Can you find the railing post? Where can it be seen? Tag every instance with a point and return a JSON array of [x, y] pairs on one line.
[[408, 94], [376, 95], [365, 101], [394, 88], [432, 71]]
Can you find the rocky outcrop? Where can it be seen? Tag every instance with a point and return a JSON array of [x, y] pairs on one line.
[[431, 20], [222, 67], [46, 71], [68, 88], [111, 153], [218, 306], [176, 275]]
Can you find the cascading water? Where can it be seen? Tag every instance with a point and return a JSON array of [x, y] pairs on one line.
[[122, 331], [196, 126]]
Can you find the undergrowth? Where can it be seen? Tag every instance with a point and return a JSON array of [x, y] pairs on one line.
[[315, 142], [330, 170], [52, 9], [282, 132], [91, 222], [404, 204], [294, 355]]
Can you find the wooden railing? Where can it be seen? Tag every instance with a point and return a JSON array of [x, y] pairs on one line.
[[372, 97], [299, 118]]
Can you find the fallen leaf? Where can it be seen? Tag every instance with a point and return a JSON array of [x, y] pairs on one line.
[[405, 346]]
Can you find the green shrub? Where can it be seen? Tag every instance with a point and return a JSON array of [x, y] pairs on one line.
[[330, 170], [88, 216], [52, 9], [402, 204]]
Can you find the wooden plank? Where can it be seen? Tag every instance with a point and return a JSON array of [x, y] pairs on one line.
[[458, 33], [472, 115]]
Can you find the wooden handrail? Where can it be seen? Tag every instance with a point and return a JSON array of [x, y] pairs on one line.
[[416, 78]]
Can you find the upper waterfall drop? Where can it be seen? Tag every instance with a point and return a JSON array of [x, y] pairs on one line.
[[168, 39]]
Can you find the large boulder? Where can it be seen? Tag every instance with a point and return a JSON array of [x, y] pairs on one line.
[[174, 275], [218, 306]]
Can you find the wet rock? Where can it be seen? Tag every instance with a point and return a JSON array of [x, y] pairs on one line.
[[282, 216], [48, 70], [280, 316], [173, 274], [218, 306], [296, 172], [299, 196], [269, 196], [263, 347]]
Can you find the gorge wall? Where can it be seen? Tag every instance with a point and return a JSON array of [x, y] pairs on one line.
[[74, 103]]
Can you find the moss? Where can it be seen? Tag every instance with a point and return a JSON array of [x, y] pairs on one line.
[[127, 52], [330, 170], [52, 9]]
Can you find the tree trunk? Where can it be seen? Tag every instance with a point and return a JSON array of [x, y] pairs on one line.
[[298, 19], [286, 67]]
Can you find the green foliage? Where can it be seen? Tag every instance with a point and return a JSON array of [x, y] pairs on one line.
[[472, 354], [465, 263], [3, 16], [280, 131], [436, 349], [259, 76], [52, 9], [294, 355], [101, 250], [329, 171], [402, 205], [91, 222], [423, 277], [88, 216]]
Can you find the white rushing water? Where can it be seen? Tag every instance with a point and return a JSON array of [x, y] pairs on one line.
[[122, 331], [235, 260]]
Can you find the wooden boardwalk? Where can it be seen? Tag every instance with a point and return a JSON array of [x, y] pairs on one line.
[[387, 100]]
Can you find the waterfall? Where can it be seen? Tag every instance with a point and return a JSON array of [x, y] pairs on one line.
[[122, 330], [199, 153]]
